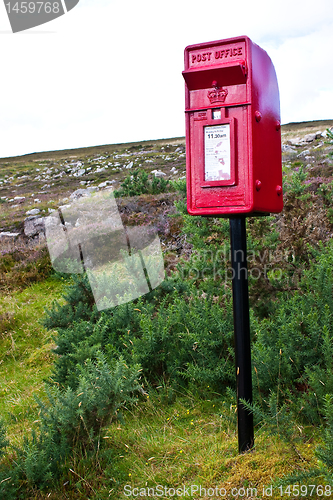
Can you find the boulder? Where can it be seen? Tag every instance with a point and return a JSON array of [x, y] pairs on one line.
[[33, 226], [6, 234], [105, 184], [310, 137], [79, 193], [304, 153], [34, 211], [158, 173], [80, 172], [297, 141], [286, 148]]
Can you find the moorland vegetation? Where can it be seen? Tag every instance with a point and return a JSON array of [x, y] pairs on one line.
[[143, 394]]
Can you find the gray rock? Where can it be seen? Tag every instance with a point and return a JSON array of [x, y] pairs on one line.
[[80, 172], [82, 192], [79, 193], [158, 173], [286, 148], [304, 153], [6, 234], [310, 137], [295, 142], [104, 184], [34, 211], [34, 226]]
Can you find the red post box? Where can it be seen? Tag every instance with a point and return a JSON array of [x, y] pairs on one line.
[[233, 137]]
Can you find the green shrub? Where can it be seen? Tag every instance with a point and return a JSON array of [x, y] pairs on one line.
[[326, 191], [188, 341], [323, 472], [73, 419], [329, 133], [84, 340], [177, 338], [325, 451], [80, 305], [293, 349], [82, 330], [179, 185], [296, 186], [139, 183]]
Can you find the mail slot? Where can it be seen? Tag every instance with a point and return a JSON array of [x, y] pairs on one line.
[[233, 136]]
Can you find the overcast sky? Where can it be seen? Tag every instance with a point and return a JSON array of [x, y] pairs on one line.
[[109, 71]]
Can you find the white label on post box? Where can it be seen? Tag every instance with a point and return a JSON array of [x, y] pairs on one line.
[[217, 153]]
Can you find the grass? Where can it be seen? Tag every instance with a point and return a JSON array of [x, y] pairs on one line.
[[25, 354], [189, 442], [194, 442]]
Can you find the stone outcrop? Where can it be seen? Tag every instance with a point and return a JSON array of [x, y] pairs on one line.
[[34, 226]]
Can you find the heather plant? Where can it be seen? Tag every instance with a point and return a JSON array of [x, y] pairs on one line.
[[22, 264]]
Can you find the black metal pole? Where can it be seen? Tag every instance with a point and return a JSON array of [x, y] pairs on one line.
[[240, 294]]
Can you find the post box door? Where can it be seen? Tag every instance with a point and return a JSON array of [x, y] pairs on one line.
[[219, 162]]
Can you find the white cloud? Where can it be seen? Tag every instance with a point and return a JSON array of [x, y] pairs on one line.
[[110, 71], [305, 75]]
